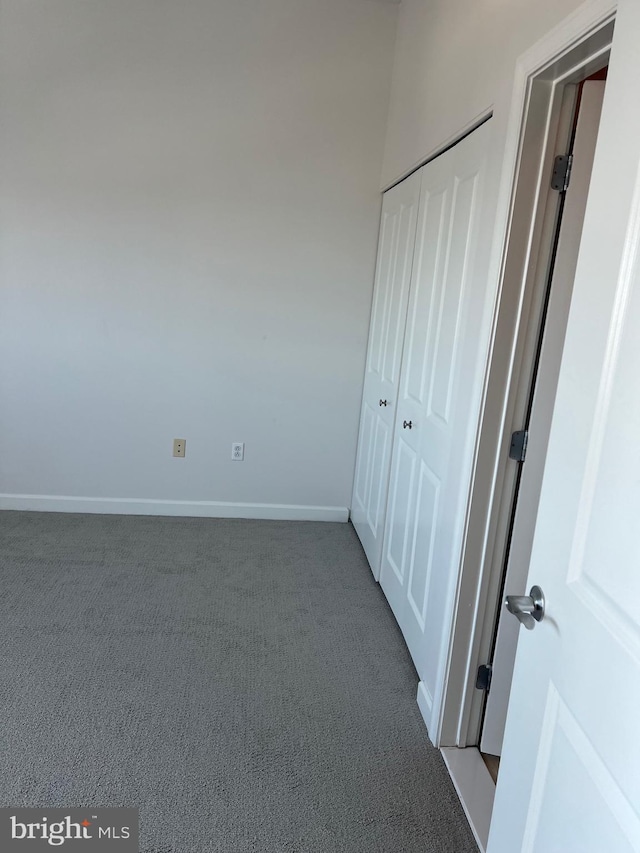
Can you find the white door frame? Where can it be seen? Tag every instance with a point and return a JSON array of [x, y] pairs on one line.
[[572, 50], [535, 391]]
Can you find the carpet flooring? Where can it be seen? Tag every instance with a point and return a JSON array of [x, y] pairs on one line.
[[243, 683]]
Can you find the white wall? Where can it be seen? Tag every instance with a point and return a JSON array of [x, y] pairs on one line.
[[454, 60], [189, 209]]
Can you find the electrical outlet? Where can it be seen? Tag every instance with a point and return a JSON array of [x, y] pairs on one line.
[[237, 451], [179, 447]]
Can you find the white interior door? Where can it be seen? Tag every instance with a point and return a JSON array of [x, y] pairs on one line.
[[437, 414], [569, 777], [575, 203], [384, 356]]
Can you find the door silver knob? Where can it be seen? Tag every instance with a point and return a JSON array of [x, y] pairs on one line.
[[528, 609]]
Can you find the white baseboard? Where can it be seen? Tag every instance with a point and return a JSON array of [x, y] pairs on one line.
[[197, 509], [425, 703]]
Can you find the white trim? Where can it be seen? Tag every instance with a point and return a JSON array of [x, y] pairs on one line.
[[478, 120], [196, 509], [475, 788], [425, 704], [575, 28]]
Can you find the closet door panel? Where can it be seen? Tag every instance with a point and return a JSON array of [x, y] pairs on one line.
[[453, 407], [396, 539], [430, 251], [384, 358], [439, 395], [451, 295], [427, 505], [408, 493]]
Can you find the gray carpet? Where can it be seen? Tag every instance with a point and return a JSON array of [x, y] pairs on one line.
[[242, 682]]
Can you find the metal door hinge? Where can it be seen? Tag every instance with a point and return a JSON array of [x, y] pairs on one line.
[[519, 441], [483, 679], [561, 172]]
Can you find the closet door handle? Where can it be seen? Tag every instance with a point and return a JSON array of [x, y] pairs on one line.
[[384, 402], [407, 425]]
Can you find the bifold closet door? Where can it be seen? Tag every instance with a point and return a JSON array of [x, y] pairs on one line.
[[380, 397], [438, 405]]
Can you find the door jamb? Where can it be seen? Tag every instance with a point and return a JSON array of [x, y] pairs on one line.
[[573, 49]]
